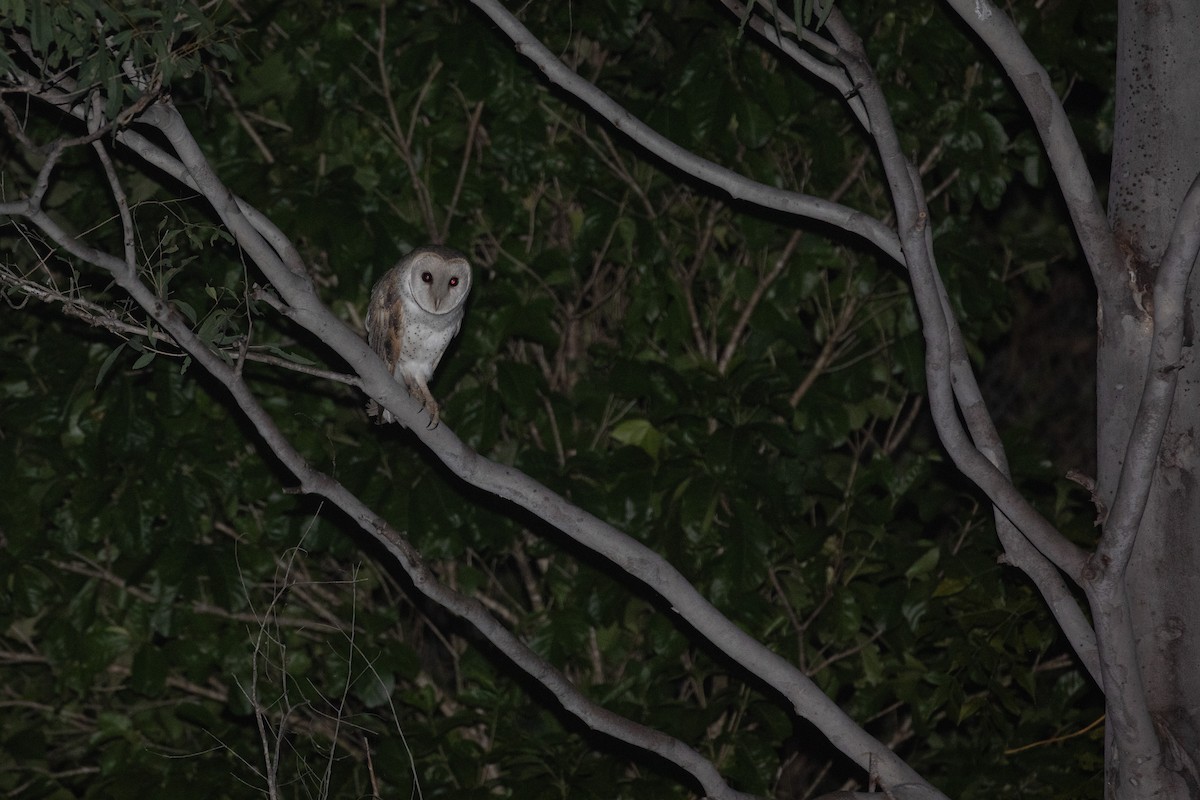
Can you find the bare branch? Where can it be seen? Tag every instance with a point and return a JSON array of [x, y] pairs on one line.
[[972, 440], [1002, 38], [128, 240], [832, 75], [400, 137], [913, 221], [318, 483], [737, 186], [243, 120], [756, 296], [984, 452], [1019, 550], [472, 132], [111, 320]]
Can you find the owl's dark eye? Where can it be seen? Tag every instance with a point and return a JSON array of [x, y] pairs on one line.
[[454, 281], [427, 277]]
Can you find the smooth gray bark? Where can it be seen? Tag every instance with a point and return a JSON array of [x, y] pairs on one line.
[[1156, 158]]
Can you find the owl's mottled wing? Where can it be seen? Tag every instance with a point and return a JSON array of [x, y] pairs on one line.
[[385, 326]]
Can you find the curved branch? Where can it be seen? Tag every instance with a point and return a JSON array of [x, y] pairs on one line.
[[315, 482], [980, 426], [832, 75], [278, 259], [983, 472], [969, 398], [1018, 550], [913, 222], [737, 186], [1029, 77]]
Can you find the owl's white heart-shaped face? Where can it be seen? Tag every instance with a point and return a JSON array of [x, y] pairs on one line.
[[439, 280]]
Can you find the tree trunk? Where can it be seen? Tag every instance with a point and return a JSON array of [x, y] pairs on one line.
[[1156, 156]]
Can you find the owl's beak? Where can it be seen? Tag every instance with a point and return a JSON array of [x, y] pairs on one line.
[[439, 297]]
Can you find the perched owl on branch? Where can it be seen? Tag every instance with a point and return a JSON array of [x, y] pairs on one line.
[[415, 311]]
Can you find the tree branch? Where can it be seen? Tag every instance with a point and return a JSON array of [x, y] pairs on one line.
[[315, 482], [109, 319], [737, 186], [963, 390], [279, 261], [829, 73], [1019, 550], [913, 222], [1029, 77]]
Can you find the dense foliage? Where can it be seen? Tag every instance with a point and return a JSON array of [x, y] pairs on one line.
[[740, 392]]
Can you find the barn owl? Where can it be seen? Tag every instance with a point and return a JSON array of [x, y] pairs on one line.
[[416, 308]]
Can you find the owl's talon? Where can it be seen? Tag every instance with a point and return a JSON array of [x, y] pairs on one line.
[[435, 414]]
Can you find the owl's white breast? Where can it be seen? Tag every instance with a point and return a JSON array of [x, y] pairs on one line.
[[426, 336]]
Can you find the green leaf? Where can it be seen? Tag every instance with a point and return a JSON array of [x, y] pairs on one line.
[[639, 433], [753, 123], [144, 359], [924, 565], [295, 358], [106, 365], [949, 586]]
